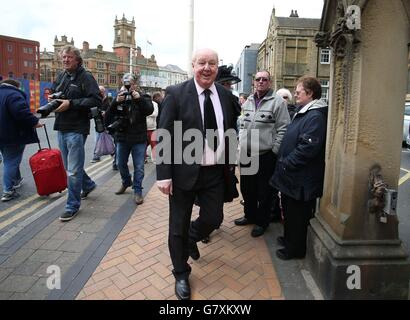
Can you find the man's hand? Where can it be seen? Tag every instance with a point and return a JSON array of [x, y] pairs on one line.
[[165, 187], [135, 95], [64, 106], [39, 125]]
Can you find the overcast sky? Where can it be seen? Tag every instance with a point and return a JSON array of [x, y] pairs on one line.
[[226, 26]]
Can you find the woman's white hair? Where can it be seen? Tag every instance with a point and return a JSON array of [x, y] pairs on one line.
[[283, 92]]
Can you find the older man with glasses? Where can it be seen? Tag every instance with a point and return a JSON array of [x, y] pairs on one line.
[[266, 113]]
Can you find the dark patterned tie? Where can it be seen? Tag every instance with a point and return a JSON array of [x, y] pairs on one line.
[[210, 119]]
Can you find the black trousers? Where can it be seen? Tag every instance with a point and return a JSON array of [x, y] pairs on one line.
[[209, 189], [297, 216], [257, 193]]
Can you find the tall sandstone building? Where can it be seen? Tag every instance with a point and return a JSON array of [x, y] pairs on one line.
[[289, 52]]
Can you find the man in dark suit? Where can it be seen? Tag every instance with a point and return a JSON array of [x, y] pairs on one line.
[[197, 107]]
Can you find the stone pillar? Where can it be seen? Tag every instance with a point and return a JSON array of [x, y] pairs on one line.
[[351, 253]]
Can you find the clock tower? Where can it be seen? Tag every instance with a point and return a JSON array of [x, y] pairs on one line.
[[124, 38]]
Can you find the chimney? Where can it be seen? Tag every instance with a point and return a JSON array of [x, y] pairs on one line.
[[86, 46], [291, 14], [296, 14]]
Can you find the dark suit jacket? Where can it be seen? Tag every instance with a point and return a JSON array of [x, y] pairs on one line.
[[181, 103]]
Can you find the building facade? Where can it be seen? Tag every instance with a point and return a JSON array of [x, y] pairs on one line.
[[19, 58], [246, 68], [290, 52], [108, 67]]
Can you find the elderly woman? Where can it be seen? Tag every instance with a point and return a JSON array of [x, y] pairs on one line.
[[299, 171]]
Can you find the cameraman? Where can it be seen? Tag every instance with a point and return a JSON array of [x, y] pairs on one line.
[[129, 128], [81, 93]]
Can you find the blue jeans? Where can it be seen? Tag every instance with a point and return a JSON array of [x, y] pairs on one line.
[[72, 149], [12, 156], [138, 156], [97, 134]]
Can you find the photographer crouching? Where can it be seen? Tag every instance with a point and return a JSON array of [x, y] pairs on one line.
[[75, 93], [127, 123]]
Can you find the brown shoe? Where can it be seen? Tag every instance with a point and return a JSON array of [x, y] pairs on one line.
[[122, 189], [138, 199]]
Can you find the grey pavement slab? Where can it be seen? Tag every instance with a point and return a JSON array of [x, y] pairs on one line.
[[289, 272], [16, 283], [76, 247]]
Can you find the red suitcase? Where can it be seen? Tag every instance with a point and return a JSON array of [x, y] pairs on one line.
[[48, 170]]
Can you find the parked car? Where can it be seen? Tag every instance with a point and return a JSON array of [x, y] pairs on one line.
[[406, 124]]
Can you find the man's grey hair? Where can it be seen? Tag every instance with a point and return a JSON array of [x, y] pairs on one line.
[[197, 52], [72, 49]]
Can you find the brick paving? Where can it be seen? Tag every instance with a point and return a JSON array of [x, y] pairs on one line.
[[233, 265], [104, 254]]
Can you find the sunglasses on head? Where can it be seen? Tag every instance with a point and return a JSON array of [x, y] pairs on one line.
[[261, 78]]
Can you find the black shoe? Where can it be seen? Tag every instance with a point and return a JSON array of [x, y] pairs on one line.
[[114, 167], [281, 241], [205, 240], [193, 251], [258, 231], [284, 254], [182, 290], [68, 215], [275, 218], [242, 221], [84, 194], [95, 159], [122, 189]]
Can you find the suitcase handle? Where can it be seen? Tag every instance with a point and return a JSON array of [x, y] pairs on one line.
[[48, 140]]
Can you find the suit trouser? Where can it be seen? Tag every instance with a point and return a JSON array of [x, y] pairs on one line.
[[209, 188], [257, 192], [297, 216]]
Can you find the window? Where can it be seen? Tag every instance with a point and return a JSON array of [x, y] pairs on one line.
[[10, 62], [30, 50], [9, 48], [25, 50], [113, 67], [100, 65], [100, 78], [325, 56], [28, 64], [113, 79], [325, 89]]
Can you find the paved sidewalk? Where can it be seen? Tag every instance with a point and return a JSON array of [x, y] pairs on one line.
[[233, 266], [116, 250]]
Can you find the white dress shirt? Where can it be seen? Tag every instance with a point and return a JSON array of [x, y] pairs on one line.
[[211, 157]]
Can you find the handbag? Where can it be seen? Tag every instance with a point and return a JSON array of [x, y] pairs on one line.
[[104, 145]]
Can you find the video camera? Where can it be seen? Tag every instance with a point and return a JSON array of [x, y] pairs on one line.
[[52, 105]]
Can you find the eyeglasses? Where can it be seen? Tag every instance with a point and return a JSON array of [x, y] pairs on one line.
[[296, 93], [261, 79]]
